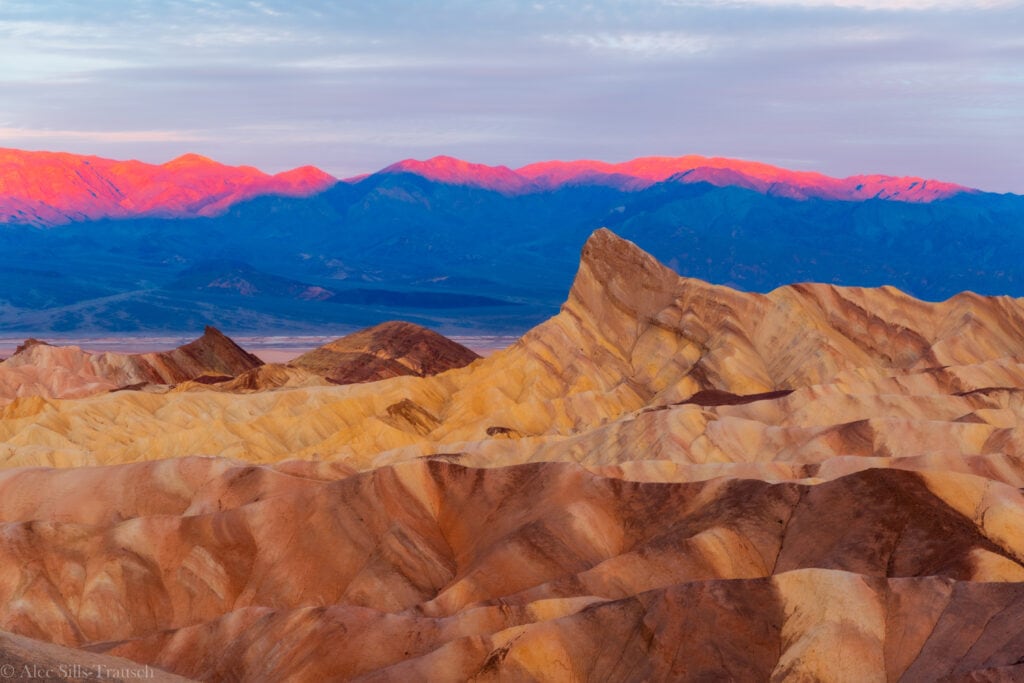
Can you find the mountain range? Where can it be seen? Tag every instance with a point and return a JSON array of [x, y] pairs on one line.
[[54, 188], [88, 244]]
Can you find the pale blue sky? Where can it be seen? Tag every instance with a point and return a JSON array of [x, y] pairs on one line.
[[922, 87]]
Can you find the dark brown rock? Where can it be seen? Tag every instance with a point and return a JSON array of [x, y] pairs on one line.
[[391, 349]]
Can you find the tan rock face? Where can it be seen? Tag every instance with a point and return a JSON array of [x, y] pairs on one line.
[[39, 369], [666, 481], [261, 378]]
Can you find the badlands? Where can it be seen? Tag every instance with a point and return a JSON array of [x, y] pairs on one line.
[[668, 480]]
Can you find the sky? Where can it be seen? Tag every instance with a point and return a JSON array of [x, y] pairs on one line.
[[931, 88]]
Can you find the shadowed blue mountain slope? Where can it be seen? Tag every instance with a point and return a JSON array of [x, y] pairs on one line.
[[473, 260]]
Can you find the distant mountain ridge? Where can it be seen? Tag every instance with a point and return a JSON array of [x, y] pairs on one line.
[[55, 188], [643, 172], [459, 247]]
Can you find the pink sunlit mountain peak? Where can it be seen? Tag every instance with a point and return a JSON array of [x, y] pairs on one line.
[[753, 175], [452, 171], [191, 159], [643, 172], [53, 188], [308, 178]]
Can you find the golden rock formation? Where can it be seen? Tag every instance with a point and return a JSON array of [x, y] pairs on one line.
[[668, 480], [39, 369]]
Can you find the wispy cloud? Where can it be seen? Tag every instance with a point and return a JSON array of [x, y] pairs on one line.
[[45, 30], [399, 134], [260, 7], [236, 37], [876, 5], [647, 44], [14, 135], [359, 61]]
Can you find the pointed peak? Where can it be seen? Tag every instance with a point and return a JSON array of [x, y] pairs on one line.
[[610, 253], [219, 352], [618, 274]]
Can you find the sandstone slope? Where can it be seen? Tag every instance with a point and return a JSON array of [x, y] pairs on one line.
[[429, 570], [43, 370]]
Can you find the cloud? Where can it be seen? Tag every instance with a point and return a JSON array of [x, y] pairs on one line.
[[230, 38], [44, 30], [357, 61], [401, 133], [648, 44], [14, 134], [875, 5]]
